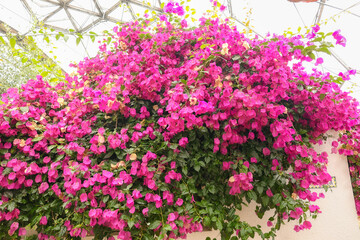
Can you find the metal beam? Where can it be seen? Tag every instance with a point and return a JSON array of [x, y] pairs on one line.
[[52, 14], [319, 12], [230, 7], [140, 3], [93, 24], [112, 19], [103, 16], [59, 29], [98, 7], [342, 10], [110, 10], [83, 10], [52, 2], [131, 11], [317, 21], [28, 8], [71, 19]]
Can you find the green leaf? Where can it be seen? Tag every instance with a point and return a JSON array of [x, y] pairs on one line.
[[11, 206], [265, 200], [2, 40], [204, 46], [24, 109], [12, 42], [37, 139], [324, 49], [236, 57], [154, 224], [197, 167], [252, 195], [311, 55], [219, 224], [44, 73], [207, 221], [212, 189], [24, 59], [167, 227], [78, 40], [131, 223], [322, 96], [276, 198]]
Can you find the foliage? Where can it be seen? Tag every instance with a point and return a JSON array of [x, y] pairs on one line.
[[21, 59], [169, 130]]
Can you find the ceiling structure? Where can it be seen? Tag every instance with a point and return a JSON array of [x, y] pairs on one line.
[[82, 16]]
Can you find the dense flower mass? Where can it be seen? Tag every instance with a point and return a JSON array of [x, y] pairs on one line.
[[168, 131]]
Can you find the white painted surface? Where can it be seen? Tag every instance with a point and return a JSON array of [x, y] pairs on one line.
[[338, 220]]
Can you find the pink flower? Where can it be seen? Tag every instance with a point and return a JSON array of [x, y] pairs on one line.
[[136, 194], [172, 7], [83, 197], [132, 210], [162, 18], [341, 40], [184, 23], [226, 165], [307, 224], [183, 142], [43, 187], [222, 8], [304, 184], [22, 231], [266, 151], [179, 202], [14, 226], [171, 217], [145, 211], [46, 160], [313, 208], [319, 61], [43, 220], [107, 174], [246, 164], [101, 131], [269, 193]]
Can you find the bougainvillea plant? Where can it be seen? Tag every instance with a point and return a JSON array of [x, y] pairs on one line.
[[168, 131], [348, 144]]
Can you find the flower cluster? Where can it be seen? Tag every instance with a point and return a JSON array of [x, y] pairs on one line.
[[174, 7], [340, 39], [348, 144], [167, 131]]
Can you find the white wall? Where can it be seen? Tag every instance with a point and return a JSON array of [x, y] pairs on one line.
[[338, 220]]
